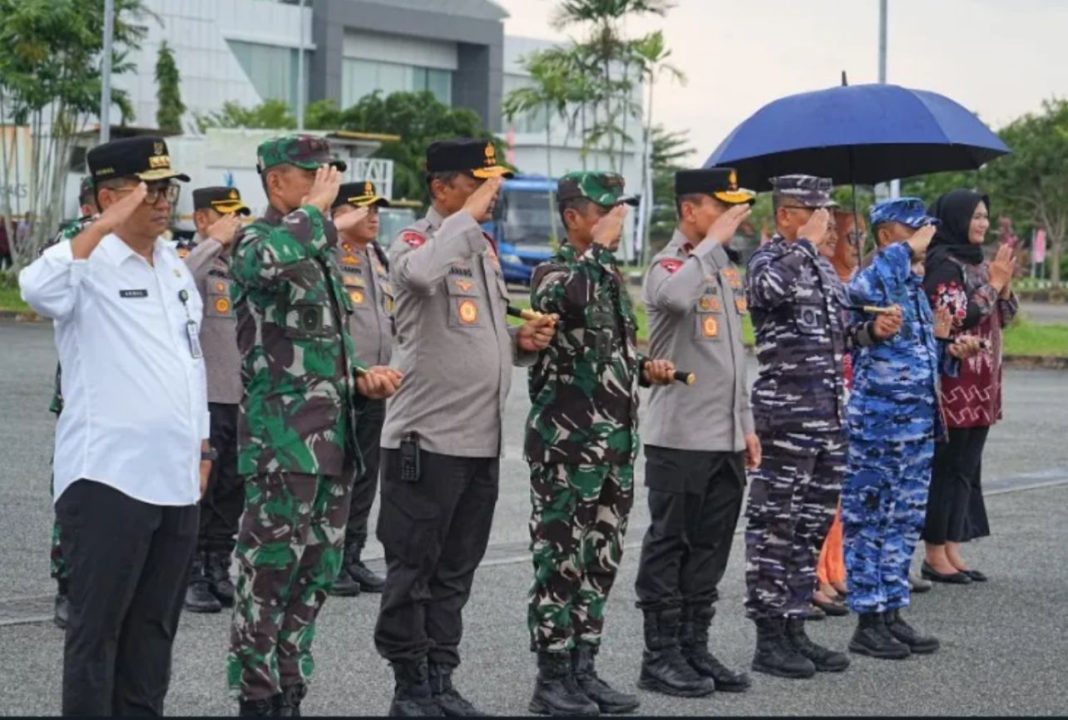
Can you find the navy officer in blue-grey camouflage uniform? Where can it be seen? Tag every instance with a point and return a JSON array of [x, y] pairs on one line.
[[893, 420], [800, 317]]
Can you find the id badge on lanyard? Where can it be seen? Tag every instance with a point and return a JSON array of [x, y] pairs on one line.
[[191, 330]]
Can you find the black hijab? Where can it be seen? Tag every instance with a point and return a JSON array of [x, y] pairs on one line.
[[954, 211]]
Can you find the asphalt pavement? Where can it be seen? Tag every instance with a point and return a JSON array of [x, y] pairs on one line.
[[1005, 643]]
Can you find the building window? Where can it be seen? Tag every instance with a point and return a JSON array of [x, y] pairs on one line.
[[360, 78], [532, 121], [272, 69]]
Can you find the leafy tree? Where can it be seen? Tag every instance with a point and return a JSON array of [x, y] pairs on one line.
[[50, 82], [270, 114], [168, 92], [670, 151]]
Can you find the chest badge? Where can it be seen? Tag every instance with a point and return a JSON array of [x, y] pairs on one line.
[[465, 285], [357, 297], [710, 327], [709, 303], [468, 312], [741, 304], [222, 305]]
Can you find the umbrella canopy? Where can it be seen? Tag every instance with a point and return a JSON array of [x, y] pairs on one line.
[[863, 134]]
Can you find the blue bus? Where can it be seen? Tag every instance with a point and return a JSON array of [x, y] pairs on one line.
[[522, 226]]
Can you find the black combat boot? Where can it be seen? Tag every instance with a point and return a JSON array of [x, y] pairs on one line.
[[873, 638], [609, 700], [61, 611], [345, 585], [825, 659], [918, 643], [198, 595], [775, 655], [556, 691], [664, 669], [411, 692], [289, 702], [448, 698], [266, 707], [693, 641], [369, 581], [218, 571]]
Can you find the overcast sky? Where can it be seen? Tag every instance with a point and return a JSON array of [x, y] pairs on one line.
[[1000, 58]]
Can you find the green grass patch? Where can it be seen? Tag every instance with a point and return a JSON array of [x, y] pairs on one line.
[[11, 301], [1028, 339]]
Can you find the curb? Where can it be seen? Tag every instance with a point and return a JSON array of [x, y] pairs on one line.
[[21, 316]]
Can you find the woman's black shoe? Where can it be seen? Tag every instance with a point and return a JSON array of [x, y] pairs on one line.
[[834, 608], [957, 578], [976, 575]]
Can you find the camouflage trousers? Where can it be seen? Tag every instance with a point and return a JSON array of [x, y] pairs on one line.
[[58, 564], [884, 500], [577, 523], [289, 554], [792, 501]]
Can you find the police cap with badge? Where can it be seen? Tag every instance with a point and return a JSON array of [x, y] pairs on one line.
[[144, 157], [359, 194], [603, 188], [720, 183], [477, 158], [223, 200]]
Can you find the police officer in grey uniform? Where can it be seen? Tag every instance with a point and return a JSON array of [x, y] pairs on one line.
[[698, 439], [365, 272], [441, 441], [215, 212]]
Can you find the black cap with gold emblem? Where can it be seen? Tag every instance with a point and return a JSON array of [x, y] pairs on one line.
[[720, 183], [144, 157], [477, 157], [224, 200], [359, 194]]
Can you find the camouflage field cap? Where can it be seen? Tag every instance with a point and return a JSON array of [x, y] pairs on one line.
[[720, 183], [602, 188], [221, 199], [909, 211], [300, 150], [144, 157], [807, 191], [359, 194]]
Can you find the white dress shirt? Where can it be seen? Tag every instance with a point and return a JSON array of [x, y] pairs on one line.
[[135, 403]]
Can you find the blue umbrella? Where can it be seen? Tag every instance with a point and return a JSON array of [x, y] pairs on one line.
[[861, 134]]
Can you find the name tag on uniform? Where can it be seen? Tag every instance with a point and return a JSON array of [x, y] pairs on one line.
[[194, 340], [133, 293]]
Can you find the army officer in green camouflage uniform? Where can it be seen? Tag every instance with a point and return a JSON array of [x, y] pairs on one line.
[[581, 442], [296, 427]]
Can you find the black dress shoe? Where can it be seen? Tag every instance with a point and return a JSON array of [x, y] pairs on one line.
[[957, 578], [834, 608], [976, 575], [814, 612]]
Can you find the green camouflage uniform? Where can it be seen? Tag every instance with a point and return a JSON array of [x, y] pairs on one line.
[[58, 565], [582, 435], [297, 450]]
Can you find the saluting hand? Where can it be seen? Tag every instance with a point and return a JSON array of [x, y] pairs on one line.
[[887, 325], [117, 213], [726, 225], [480, 202], [535, 335], [350, 219], [225, 229], [921, 240], [659, 372], [818, 228], [608, 230], [379, 382], [324, 189]]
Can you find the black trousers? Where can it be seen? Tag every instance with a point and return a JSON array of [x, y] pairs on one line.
[[368, 436], [695, 498], [955, 508], [224, 499], [129, 563], [434, 532]]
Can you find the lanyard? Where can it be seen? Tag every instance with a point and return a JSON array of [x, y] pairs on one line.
[[191, 330]]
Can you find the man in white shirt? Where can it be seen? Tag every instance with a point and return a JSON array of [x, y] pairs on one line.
[[134, 425]]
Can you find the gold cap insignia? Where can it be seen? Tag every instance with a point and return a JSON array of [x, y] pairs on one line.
[[158, 148], [233, 194], [733, 180], [368, 188], [491, 154]]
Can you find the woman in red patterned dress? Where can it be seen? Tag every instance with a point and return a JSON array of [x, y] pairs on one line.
[[979, 295]]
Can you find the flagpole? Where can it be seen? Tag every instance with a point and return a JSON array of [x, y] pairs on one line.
[[105, 71]]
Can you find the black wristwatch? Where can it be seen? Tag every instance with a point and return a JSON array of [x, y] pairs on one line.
[[209, 454]]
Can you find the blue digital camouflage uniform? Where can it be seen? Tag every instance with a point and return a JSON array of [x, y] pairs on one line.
[[802, 331], [893, 420]]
